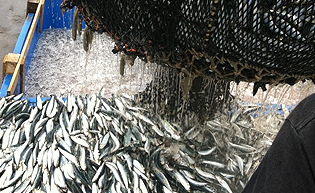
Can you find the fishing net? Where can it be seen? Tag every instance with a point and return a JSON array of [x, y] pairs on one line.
[[261, 41]]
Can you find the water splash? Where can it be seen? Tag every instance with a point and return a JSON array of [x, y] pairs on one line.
[[61, 66]]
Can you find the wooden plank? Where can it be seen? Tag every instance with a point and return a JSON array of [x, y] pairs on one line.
[[22, 78], [14, 79], [31, 6], [26, 46], [41, 17], [3, 68], [9, 63]]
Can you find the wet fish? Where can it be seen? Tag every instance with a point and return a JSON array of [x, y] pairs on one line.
[[94, 144]]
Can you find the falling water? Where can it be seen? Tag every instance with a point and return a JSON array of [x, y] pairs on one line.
[[283, 97], [61, 66]]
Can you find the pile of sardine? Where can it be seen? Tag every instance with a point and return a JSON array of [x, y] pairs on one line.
[[94, 144]]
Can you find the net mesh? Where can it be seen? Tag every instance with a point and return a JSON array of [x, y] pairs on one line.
[[262, 41]]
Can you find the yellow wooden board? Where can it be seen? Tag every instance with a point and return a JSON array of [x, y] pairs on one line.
[[20, 67], [9, 63]]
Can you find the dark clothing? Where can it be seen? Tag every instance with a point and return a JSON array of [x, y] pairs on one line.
[[289, 165]]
